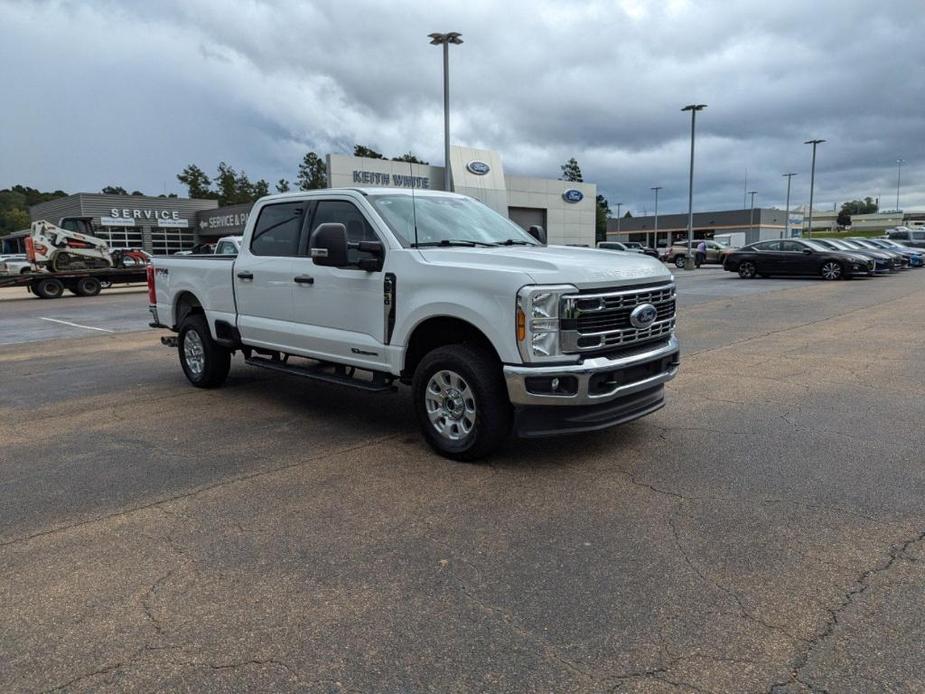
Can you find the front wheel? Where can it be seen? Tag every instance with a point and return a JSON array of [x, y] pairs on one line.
[[205, 362], [679, 262], [461, 402], [747, 270], [831, 270]]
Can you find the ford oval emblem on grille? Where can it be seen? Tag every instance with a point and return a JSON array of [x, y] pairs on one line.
[[643, 316], [573, 195], [479, 168]]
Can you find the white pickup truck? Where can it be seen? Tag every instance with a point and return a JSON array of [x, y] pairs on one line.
[[494, 331]]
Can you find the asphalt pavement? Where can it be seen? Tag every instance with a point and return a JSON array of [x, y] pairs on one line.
[[763, 532]]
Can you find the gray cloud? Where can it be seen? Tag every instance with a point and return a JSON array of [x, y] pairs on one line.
[[128, 93]]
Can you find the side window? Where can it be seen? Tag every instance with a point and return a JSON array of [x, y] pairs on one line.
[[901, 235], [918, 235], [766, 246], [791, 246], [277, 229], [346, 213]]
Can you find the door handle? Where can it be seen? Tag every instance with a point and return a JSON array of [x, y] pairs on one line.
[[304, 279], [245, 275]]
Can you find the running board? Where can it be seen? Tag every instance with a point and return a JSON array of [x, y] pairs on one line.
[[381, 383]]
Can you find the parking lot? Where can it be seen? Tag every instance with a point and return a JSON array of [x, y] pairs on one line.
[[762, 532]]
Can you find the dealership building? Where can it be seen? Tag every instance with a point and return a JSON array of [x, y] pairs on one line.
[[741, 226], [163, 225]]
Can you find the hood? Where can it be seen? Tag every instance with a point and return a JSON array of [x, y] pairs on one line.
[[586, 268]]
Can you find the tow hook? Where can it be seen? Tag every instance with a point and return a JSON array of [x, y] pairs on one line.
[[169, 340]]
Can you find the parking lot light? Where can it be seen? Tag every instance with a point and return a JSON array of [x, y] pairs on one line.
[[619, 205], [689, 261], [812, 183], [655, 243], [445, 40], [787, 206], [899, 170], [751, 212]]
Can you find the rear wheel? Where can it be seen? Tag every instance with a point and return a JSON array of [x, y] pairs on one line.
[[747, 270], [461, 402], [205, 363], [679, 261], [831, 270], [87, 286], [48, 288]]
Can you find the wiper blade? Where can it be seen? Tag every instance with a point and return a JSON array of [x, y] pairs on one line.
[[451, 242], [514, 242]]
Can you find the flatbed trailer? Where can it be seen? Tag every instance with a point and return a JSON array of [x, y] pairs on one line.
[[51, 285]]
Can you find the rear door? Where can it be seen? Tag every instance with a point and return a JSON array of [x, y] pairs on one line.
[[264, 272], [341, 315], [767, 257]]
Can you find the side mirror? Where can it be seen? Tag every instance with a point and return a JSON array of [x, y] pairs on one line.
[[375, 249], [328, 245], [806, 251], [538, 232]]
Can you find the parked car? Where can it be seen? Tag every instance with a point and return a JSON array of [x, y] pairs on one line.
[[916, 255], [677, 254], [228, 245], [905, 256], [15, 264], [494, 331], [635, 245], [883, 262], [914, 238], [796, 257]]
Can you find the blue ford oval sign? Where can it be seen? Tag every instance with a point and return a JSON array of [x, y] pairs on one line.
[[573, 195], [479, 168]]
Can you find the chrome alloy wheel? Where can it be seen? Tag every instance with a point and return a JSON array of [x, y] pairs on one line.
[[450, 405], [193, 353], [831, 271]]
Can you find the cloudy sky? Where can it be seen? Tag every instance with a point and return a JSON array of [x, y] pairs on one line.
[[128, 92]]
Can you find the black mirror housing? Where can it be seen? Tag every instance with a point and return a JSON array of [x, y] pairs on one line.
[[328, 245], [538, 232]]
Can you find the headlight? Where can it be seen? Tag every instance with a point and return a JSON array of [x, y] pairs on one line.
[[537, 321]]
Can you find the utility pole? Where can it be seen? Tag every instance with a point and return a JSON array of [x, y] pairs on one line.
[[445, 40], [689, 261], [619, 205], [812, 182], [787, 212], [751, 212], [899, 170], [656, 189]]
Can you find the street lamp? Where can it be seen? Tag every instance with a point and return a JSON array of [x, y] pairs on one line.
[[445, 40], [751, 212], [812, 182], [619, 205], [899, 168], [787, 218], [656, 189], [689, 261]]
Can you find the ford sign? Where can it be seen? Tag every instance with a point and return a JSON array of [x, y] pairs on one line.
[[573, 195], [479, 168]]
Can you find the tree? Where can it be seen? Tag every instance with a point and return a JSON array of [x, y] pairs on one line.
[[368, 152], [114, 190], [282, 186], [137, 192], [628, 215], [312, 172], [411, 158], [571, 171], [261, 188], [197, 183], [602, 213], [227, 184], [865, 206]]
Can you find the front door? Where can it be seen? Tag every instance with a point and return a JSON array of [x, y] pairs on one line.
[[340, 315], [264, 274]]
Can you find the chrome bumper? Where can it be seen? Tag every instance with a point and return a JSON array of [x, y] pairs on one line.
[[515, 378]]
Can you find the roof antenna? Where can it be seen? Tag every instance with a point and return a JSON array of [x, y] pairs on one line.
[[414, 213]]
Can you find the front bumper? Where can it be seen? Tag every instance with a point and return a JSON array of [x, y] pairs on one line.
[[593, 381]]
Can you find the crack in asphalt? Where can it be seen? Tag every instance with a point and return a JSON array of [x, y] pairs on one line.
[[199, 490], [861, 584]]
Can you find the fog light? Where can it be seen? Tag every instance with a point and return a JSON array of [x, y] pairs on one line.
[[555, 385]]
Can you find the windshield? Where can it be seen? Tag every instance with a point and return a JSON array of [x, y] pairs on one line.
[[445, 220]]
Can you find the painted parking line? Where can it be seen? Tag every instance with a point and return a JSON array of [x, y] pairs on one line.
[[75, 325]]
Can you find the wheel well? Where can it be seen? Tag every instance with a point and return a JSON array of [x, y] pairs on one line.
[[437, 332], [187, 304]]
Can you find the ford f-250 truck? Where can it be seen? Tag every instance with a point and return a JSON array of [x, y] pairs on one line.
[[494, 331]]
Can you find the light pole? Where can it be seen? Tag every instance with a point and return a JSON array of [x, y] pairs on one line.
[[689, 261], [445, 40], [899, 169], [812, 182], [656, 189], [619, 205], [751, 211], [787, 211]]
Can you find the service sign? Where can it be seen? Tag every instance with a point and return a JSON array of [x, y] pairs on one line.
[[124, 214]]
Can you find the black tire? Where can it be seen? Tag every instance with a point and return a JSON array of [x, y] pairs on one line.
[[680, 261], [747, 270], [206, 363], [87, 286], [49, 288], [480, 371], [25, 270], [832, 270]]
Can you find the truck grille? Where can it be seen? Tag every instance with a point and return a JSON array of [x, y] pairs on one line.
[[592, 322]]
